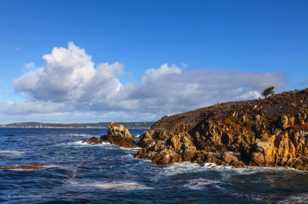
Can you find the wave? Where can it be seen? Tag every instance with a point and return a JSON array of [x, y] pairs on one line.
[[201, 183], [298, 198], [103, 144], [81, 135], [13, 153], [181, 168], [129, 148], [188, 167], [83, 144], [115, 185]]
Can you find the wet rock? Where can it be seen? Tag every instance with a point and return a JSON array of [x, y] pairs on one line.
[[92, 140], [229, 157], [163, 158], [32, 166]]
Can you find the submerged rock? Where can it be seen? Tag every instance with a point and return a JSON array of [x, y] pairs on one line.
[[263, 132], [33, 166], [116, 134]]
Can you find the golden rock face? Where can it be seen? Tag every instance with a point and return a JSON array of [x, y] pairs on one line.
[[268, 132], [116, 134]]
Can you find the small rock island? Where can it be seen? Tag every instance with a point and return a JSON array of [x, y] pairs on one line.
[[116, 134], [264, 132]]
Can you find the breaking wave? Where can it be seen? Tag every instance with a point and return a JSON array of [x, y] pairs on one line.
[[298, 198], [200, 183], [12, 153], [83, 144], [115, 185], [188, 167]]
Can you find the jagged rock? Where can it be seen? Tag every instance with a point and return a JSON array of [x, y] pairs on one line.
[[116, 134], [229, 157], [119, 135], [267, 132], [284, 121], [146, 139]]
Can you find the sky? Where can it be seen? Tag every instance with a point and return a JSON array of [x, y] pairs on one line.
[[138, 60]]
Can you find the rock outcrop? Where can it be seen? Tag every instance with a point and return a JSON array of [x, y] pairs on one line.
[[116, 134], [263, 132]]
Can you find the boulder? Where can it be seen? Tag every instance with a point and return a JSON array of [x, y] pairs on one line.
[[117, 134]]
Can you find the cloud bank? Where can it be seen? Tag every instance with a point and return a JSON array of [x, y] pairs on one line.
[[69, 81]]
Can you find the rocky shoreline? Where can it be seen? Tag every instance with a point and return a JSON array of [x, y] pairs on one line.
[[263, 132], [270, 132]]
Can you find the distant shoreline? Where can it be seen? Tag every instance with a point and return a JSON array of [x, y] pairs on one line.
[[66, 127], [102, 125]]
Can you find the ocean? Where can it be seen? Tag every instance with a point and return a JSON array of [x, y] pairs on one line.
[[80, 173]]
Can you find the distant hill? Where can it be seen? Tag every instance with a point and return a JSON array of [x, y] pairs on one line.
[[74, 125]]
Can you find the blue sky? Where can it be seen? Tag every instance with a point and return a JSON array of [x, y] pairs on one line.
[[240, 38]]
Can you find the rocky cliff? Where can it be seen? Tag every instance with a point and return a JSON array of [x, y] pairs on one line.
[[263, 132]]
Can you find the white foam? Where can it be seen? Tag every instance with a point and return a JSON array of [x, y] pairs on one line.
[[188, 167], [82, 135], [200, 183], [84, 144], [252, 170], [102, 144], [77, 135], [130, 148], [13, 153], [273, 198], [115, 185], [181, 168], [298, 198]]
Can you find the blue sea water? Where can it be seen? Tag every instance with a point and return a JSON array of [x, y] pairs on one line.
[[79, 173]]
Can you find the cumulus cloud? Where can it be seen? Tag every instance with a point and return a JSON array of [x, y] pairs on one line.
[[67, 75], [69, 80]]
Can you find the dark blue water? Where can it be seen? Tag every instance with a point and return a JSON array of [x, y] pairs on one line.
[[78, 173]]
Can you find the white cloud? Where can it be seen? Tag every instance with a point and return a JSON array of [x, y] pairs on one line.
[[169, 89], [31, 107], [69, 75], [29, 66], [69, 81]]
